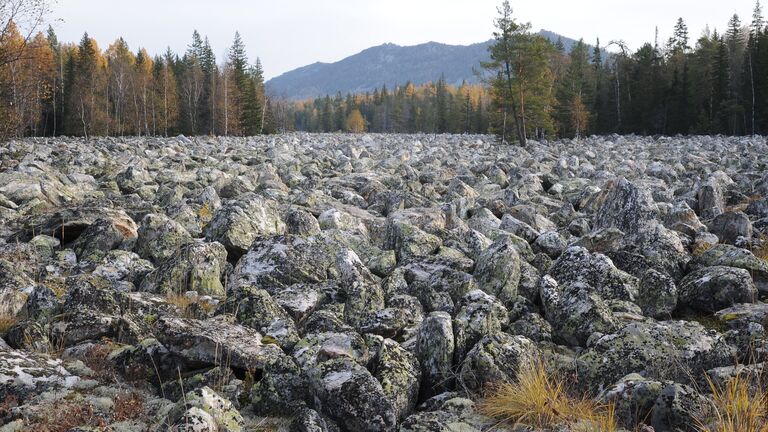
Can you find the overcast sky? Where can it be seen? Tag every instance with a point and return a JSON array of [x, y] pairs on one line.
[[287, 34]]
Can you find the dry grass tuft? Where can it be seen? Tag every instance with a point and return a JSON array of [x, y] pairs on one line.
[[740, 405], [6, 322], [540, 400], [182, 302], [700, 247], [761, 251]]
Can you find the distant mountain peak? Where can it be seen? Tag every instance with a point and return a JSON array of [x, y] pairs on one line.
[[389, 64]]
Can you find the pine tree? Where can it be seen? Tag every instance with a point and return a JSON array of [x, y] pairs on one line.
[[520, 84]]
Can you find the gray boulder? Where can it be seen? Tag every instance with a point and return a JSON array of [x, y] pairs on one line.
[[713, 288]]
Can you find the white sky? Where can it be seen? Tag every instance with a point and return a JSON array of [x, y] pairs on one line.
[[291, 33]]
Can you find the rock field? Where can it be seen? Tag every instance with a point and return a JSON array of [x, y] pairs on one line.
[[311, 283]]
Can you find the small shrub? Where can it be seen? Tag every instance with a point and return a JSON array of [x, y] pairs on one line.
[[128, 406], [63, 416], [539, 399], [741, 404], [96, 358]]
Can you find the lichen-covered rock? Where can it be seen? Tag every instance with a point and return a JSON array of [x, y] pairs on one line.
[[713, 288], [159, 237], [363, 293], [435, 347], [350, 395], [575, 311], [498, 269], [730, 226], [399, 373], [495, 359], [577, 265], [204, 410], [657, 294], [673, 350], [480, 314], [195, 266], [26, 374], [732, 256], [256, 309], [239, 222]]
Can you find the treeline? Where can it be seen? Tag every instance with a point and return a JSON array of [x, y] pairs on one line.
[[53, 88], [715, 85], [433, 108]]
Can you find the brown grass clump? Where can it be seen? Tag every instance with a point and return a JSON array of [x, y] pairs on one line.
[[6, 322], [700, 247], [539, 399], [182, 302], [740, 405], [762, 250]]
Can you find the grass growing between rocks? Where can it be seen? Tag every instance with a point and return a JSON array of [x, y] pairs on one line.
[[6, 322], [540, 399], [739, 405]]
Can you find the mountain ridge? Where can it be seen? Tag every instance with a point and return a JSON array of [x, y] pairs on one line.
[[389, 64]]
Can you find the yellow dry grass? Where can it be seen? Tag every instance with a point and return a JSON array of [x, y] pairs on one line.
[[6, 322], [540, 400], [740, 405]]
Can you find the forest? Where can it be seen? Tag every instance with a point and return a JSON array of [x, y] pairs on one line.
[[51, 88], [716, 84]]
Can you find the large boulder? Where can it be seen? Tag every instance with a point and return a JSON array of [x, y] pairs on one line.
[[669, 350], [713, 288], [435, 346], [495, 359], [498, 269], [732, 256], [577, 265], [195, 266], [239, 222], [350, 395], [575, 311], [159, 237]]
